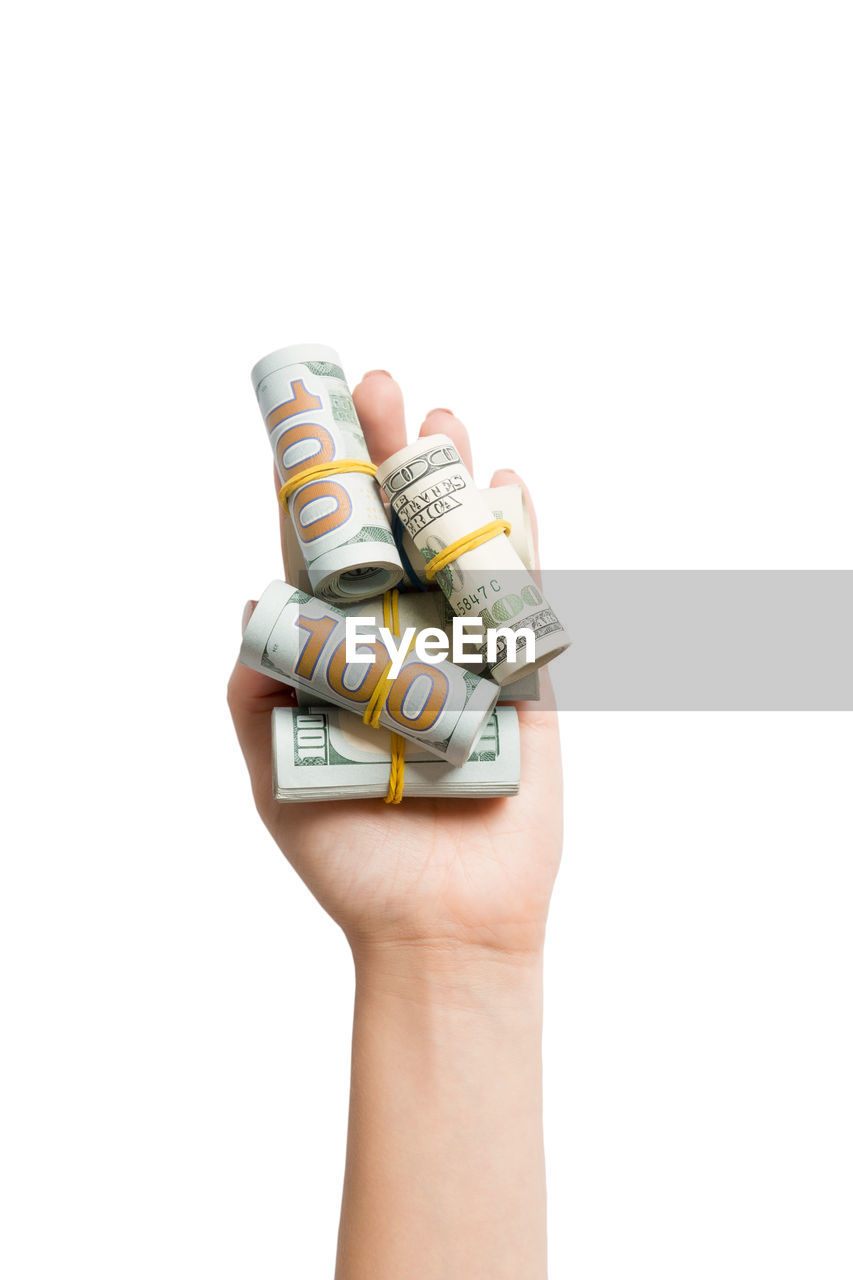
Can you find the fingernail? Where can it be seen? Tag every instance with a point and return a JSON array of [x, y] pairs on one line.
[[248, 610], [450, 411], [371, 372]]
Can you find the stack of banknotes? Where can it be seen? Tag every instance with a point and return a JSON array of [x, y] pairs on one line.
[[350, 552], [323, 753]]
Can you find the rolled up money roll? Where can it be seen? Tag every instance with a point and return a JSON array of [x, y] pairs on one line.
[[432, 492], [337, 516], [324, 753], [302, 641], [505, 501]]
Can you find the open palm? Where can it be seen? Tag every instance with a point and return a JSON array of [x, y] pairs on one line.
[[434, 872]]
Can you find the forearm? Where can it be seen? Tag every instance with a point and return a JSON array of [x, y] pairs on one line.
[[445, 1175]]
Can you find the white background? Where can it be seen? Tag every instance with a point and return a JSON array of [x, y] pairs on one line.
[[615, 239]]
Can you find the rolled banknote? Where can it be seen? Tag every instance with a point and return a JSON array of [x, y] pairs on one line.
[[505, 501], [302, 641], [338, 518], [432, 492], [324, 753]]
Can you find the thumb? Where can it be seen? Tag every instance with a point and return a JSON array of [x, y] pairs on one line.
[[251, 699]]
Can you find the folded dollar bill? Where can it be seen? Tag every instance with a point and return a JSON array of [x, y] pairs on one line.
[[341, 525], [324, 753], [302, 642]]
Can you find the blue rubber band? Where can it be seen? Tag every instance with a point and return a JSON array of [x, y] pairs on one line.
[[397, 529]]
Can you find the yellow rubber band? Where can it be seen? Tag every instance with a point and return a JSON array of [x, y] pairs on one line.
[[376, 704], [466, 543], [398, 769], [373, 710], [322, 472], [391, 611]]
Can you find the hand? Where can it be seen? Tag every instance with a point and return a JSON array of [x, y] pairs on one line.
[[435, 875]]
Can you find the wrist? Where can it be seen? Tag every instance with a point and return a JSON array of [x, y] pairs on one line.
[[451, 976]]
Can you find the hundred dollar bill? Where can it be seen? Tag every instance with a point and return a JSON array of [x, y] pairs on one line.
[[339, 520], [323, 753], [302, 641], [432, 492], [505, 501]]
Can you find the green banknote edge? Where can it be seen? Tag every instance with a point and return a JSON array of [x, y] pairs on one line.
[[333, 756], [325, 369]]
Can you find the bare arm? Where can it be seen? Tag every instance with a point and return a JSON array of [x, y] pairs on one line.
[[445, 1169]]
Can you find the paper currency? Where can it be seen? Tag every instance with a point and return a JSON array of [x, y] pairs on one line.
[[339, 520], [323, 753], [301, 641], [432, 492], [505, 501]]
